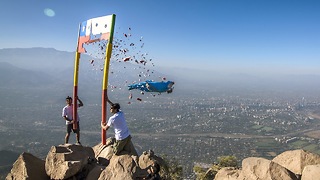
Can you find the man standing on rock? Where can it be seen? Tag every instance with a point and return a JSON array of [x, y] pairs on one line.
[[121, 131], [67, 114]]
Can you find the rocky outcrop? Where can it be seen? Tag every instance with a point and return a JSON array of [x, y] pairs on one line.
[[289, 165], [79, 162], [65, 161], [29, 167], [297, 160], [146, 158], [260, 168], [103, 153], [120, 167]]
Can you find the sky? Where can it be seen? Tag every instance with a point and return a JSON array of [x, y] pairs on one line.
[[258, 36]]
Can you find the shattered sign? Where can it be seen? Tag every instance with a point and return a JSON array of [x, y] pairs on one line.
[[94, 30]]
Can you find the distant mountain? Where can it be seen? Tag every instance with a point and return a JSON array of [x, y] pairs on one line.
[[37, 58], [52, 78], [43, 66], [12, 76], [50, 67]]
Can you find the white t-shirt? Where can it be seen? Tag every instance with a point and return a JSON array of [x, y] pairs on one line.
[[67, 111], [119, 124]]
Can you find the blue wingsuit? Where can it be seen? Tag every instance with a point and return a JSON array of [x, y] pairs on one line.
[[151, 86]]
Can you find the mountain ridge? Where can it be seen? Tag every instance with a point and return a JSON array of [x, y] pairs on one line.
[[59, 65]]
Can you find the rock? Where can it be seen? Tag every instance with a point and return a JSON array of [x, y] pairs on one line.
[[28, 166], [227, 173], [296, 160], [104, 151], [65, 161], [121, 167], [95, 172], [260, 168], [311, 172], [145, 160]]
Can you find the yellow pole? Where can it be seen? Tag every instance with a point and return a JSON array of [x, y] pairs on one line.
[[75, 86], [105, 80], [75, 90]]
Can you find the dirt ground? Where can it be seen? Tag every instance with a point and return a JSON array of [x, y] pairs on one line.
[[313, 134]]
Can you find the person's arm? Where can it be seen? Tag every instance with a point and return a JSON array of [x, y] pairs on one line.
[[104, 126], [80, 102], [67, 119], [108, 100]]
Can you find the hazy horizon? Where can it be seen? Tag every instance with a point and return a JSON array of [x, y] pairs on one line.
[[48, 61]]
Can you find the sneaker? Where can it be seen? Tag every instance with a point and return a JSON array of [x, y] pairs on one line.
[[78, 143]]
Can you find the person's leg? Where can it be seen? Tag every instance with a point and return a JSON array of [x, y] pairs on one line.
[[78, 137], [78, 134], [119, 146], [132, 149], [66, 139], [129, 147]]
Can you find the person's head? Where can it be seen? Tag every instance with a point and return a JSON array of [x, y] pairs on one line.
[[69, 100], [170, 84], [170, 87], [115, 107]]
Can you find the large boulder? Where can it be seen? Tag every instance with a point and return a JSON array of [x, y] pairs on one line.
[[121, 167], [103, 153], [65, 161], [148, 157], [296, 160], [311, 172], [260, 168], [28, 166]]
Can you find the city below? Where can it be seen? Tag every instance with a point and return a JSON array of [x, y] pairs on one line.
[[190, 128]]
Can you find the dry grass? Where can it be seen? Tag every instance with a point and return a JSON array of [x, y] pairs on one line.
[[313, 134]]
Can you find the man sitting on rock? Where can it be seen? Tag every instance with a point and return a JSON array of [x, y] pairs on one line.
[[121, 131]]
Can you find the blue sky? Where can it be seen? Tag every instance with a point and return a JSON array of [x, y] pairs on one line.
[[266, 36]]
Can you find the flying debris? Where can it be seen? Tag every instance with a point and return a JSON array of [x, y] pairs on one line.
[[128, 60]]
